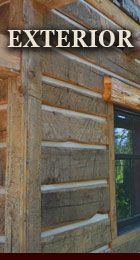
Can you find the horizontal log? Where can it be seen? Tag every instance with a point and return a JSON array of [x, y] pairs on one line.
[[73, 87], [2, 166], [121, 94], [88, 16], [132, 8], [9, 59], [2, 214], [66, 128], [69, 202], [123, 65], [70, 70], [82, 237], [3, 92], [51, 4], [68, 165], [62, 97], [3, 125], [115, 14]]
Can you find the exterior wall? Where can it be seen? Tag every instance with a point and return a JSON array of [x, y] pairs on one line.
[[76, 146], [62, 196]]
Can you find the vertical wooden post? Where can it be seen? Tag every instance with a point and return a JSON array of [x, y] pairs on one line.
[[23, 199], [112, 180]]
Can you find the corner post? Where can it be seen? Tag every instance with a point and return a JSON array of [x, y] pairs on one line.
[[23, 195]]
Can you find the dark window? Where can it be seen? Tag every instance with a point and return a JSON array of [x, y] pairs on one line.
[[131, 7], [127, 168]]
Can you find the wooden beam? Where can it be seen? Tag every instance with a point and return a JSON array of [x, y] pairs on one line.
[[23, 195], [115, 14], [119, 93], [130, 7], [52, 4]]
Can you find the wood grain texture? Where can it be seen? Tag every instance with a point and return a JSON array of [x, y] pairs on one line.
[[23, 198], [68, 99], [58, 127], [68, 165], [92, 18], [4, 23], [132, 8], [70, 70], [3, 92], [113, 60], [2, 166], [119, 93], [73, 205], [88, 237], [2, 214], [107, 8], [8, 58], [3, 125], [127, 243]]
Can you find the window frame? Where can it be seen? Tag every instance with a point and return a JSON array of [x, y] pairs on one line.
[[124, 225]]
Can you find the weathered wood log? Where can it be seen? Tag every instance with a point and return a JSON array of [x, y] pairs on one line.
[[123, 65], [60, 127], [121, 94], [132, 8], [23, 196], [68, 165], [81, 237], [57, 94], [76, 203], [115, 14], [84, 11], [71, 70]]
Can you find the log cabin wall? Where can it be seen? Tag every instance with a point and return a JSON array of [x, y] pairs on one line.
[[77, 141], [60, 183]]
